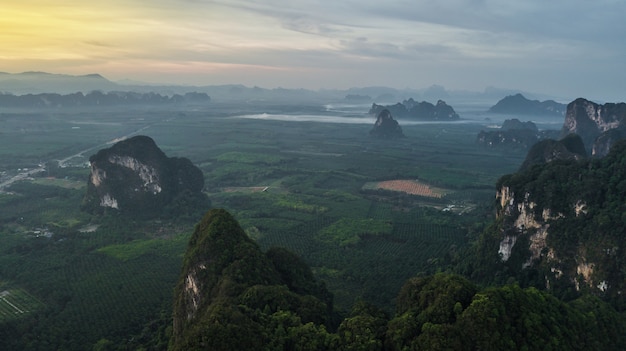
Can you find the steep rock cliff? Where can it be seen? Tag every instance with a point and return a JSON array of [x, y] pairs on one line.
[[564, 220], [591, 120], [135, 177]]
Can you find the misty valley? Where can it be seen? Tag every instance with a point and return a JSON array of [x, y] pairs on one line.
[[392, 243]]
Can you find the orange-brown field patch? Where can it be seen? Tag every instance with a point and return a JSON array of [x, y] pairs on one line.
[[248, 189], [412, 187]]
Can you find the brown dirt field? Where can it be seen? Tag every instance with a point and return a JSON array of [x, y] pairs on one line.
[[412, 187]]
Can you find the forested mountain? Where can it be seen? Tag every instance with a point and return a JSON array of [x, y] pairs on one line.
[[231, 296], [560, 226], [569, 148]]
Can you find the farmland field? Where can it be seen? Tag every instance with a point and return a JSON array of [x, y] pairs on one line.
[[311, 187], [15, 303], [412, 187]]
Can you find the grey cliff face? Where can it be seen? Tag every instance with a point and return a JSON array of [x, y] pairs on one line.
[[135, 177], [562, 221], [591, 121]]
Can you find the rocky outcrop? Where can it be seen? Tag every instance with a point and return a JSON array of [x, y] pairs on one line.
[[386, 127], [411, 109], [591, 121], [135, 177], [521, 218], [520, 105], [563, 221], [602, 144]]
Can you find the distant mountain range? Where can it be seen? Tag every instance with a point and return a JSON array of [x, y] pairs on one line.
[[42, 82], [97, 98]]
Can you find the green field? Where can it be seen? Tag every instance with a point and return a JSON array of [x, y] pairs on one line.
[[297, 185], [15, 303]]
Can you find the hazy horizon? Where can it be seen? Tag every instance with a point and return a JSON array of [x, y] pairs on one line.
[[560, 48]]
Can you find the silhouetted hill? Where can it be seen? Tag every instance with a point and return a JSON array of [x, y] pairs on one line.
[[518, 104], [98, 99], [42, 82], [514, 134], [386, 127], [411, 109], [569, 148], [134, 177]]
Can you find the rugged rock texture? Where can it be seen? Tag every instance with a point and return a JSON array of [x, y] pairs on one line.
[[602, 144], [411, 109], [135, 177], [232, 296], [591, 121], [518, 104], [386, 126], [562, 223]]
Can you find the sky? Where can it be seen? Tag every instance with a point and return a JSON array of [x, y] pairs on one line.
[[563, 48]]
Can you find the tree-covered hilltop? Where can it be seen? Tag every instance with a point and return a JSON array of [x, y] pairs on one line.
[[447, 312], [561, 226], [231, 296]]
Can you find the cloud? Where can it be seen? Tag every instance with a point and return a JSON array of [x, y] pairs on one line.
[[414, 43]]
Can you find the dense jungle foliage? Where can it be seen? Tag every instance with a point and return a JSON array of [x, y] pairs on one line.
[[231, 296], [588, 201]]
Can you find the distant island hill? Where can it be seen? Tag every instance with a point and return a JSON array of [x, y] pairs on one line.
[[520, 105], [411, 109], [598, 126]]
